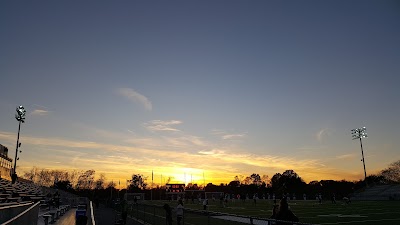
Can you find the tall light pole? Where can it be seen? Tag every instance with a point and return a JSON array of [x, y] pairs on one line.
[[20, 116], [360, 133]]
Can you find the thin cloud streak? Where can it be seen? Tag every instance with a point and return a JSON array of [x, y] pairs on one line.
[[323, 134], [160, 125], [136, 97], [232, 136], [319, 134], [228, 136], [346, 156], [40, 112]]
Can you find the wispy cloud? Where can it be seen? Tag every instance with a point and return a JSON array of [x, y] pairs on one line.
[[232, 136], [136, 97], [228, 136], [160, 125], [185, 141], [40, 112], [312, 148], [346, 156], [212, 152], [322, 134]]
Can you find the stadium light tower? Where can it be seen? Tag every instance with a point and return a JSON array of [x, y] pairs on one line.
[[20, 116], [360, 133]]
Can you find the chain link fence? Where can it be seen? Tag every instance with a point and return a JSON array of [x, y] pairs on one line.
[[156, 215]]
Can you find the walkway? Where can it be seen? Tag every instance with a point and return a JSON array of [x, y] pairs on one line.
[[102, 215], [67, 219]]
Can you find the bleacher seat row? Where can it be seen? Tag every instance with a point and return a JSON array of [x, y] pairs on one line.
[[19, 192]]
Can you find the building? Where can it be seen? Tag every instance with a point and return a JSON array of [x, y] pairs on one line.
[[5, 163]]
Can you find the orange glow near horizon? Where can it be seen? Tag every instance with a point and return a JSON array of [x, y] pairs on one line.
[[192, 175]]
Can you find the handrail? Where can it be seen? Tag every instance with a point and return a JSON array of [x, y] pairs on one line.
[[92, 214], [21, 214], [15, 205]]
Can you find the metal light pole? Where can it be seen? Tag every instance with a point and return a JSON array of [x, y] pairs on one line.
[[360, 133], [20, 116]]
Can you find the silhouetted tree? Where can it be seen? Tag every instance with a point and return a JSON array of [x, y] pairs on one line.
[[292, 182], [31, 175], [276, 182], [111, 184], [44, 178], [256, 179], [192, 186], [63, 185], [392, 173], [100, 182], [265, 179], [86, 180], [234, 183], [377, 179], [137, 183]]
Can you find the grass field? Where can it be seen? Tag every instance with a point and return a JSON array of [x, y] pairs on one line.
[[357, 212]]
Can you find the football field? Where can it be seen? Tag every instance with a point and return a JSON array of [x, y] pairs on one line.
[[357, 212]]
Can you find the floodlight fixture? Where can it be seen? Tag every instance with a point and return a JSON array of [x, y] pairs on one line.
[[360, 133], [20, 116]]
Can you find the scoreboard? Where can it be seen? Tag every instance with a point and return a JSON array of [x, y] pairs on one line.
[[175, 187]]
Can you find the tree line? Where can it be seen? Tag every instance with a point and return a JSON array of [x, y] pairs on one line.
[[288, 182]]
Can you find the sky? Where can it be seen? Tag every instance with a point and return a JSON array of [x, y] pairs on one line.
[[201, 91]]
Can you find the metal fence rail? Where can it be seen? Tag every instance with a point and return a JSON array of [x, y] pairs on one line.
[[28, 217], [156, 215]]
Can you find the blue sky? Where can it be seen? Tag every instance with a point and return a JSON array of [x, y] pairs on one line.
[[220, 87]]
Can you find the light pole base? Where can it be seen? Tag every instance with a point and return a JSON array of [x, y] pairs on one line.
[[14, 178]]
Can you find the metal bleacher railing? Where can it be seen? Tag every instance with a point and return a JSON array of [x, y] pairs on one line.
[[93, 220], [156, 215], [28, 215]]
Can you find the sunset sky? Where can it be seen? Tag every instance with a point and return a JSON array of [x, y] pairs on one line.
[[223, 88]]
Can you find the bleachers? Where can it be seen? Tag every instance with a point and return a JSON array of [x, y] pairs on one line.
[[393, 192], [14, 197], [379, 192], [19, 192]]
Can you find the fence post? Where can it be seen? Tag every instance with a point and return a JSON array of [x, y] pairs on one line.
[[144, 214], [251, 220], [154, 214], [137, 211], [208, 218]]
